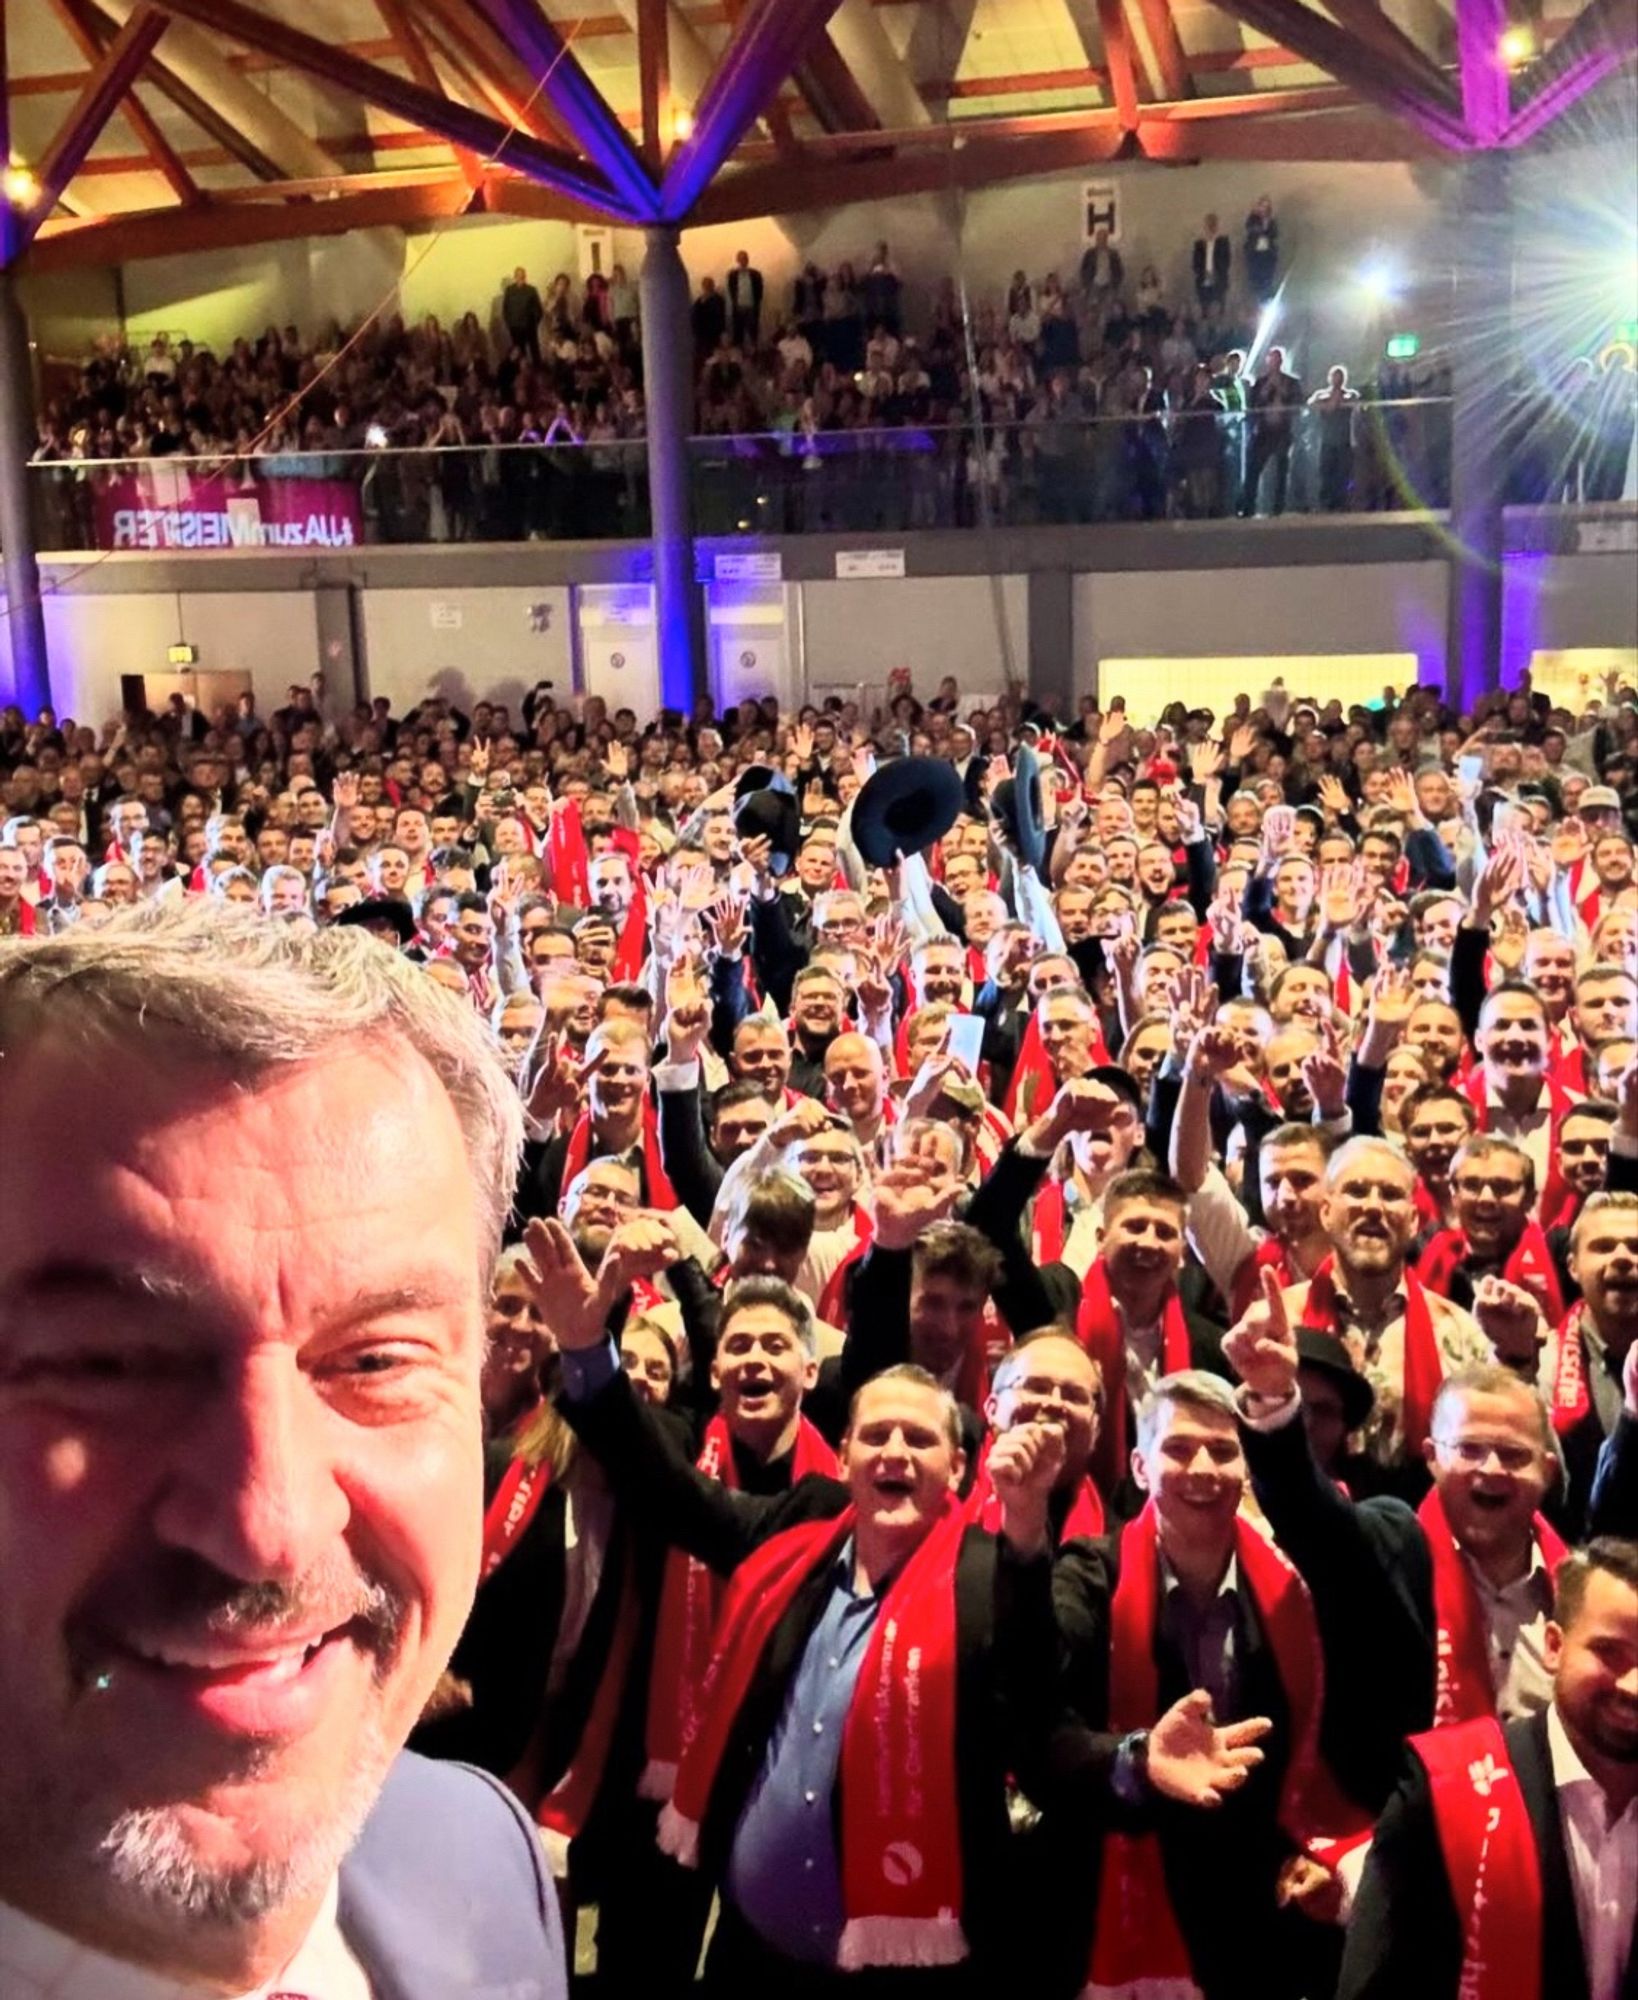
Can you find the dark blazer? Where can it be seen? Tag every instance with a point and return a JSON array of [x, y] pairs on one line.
[[689, 1163], [1404, 1942], [469, 1910], [994, 1593], [1221, 254], [1220, 1866], [1370, 1573]]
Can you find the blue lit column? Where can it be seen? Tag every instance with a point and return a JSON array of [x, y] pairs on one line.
[[25, 615], [1481, 315], [668, 396]]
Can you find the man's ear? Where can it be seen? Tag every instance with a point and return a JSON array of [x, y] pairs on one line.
[[958, 1469], [1138, 1473]]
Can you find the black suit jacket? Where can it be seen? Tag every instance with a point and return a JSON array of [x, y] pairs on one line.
[[1405, 1942], [1220, 1866], [999, 1604]]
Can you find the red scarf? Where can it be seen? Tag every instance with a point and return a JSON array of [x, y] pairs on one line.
[[1571, 1398], [1270, 1255], [690, 1600], [1491, 1862], [1424, 1370], [898, 1761], [833, 1299], [1462, 1686], [1085, 1518], [1530, 1266], [657, 1189], [1555, 1190], [1049, 1222], [516, 1500], [1136, 1944], [631, 949], [565, 1808], [567, 862], [1098, 1329]]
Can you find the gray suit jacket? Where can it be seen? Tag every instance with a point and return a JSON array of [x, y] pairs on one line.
[[446, 1896]]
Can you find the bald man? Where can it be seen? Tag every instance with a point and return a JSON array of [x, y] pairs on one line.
[[856, 1086]]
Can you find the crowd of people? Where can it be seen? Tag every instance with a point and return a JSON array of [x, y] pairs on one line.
[[1098, 397], [1060, 1399]]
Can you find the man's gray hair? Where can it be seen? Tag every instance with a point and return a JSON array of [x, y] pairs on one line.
[[1190, 1389], [259, 996]]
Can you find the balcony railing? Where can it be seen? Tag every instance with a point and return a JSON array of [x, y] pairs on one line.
[[1188, 465]]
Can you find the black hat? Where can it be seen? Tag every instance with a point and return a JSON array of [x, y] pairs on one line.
[[771, 814], [381, 910], [905, 807], [1016, 803], [1318, 1349], [755, 778]]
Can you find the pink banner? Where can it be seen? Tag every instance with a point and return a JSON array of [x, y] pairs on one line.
[[167, 506]]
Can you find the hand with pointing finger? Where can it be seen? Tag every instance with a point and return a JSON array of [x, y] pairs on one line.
[[1262, 1348]]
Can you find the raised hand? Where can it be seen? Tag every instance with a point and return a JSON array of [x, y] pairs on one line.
[[875, 987], [687, 1012], [1113, 725], [1194, 1762], [1213, 1052], [1402, 796], [560, 1081], [1343, 891], [1510, 1319], [1225, 922], [725, 922], [910, 1198], [617, 762], [1262, 1346], [564, 1292], [640, 1248], [805, 1117], [344, 793], [478, 765], [1499, 881], [696, 888], [1024, 1465], [1333, 797], [1393, 998], [1206, 761], [1326, 1074], [1190, 825], [1192, 1001], [1279, 829], [1242, 743], [928, 1083], [802, 743]]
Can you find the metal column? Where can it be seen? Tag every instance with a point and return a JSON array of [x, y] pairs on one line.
[[668, 393], [1482, 255], [25, 615]]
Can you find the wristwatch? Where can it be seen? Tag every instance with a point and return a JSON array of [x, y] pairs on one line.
[[1130, 1777]]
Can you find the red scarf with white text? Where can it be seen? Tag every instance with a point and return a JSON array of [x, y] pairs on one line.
[[1462, 1687], [689, 1604], [899, 1793], [1491, 1860]]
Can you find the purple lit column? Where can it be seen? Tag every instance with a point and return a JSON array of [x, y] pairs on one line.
[[25, 615], [1481, 314], [668, 392]]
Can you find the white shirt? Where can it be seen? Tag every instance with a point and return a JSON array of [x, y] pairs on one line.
[[37, 1963], [1603, 1859], [1515, 1632]]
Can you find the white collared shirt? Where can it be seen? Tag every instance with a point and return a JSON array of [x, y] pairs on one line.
[[1533, 1131], [1515, 1631], [37, 1963], [1603, 1859]]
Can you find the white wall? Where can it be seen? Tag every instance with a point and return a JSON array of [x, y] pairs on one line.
[[506, 640], [94, 639], [1362, 608], [860, 631]]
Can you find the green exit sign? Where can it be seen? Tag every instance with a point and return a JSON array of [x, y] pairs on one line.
[[1404, 346]]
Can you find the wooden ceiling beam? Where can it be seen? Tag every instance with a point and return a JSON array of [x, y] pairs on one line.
[[65, 245], [654, 80], [1122, 63], [1160, 26], [161, 153], [451, 121]]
